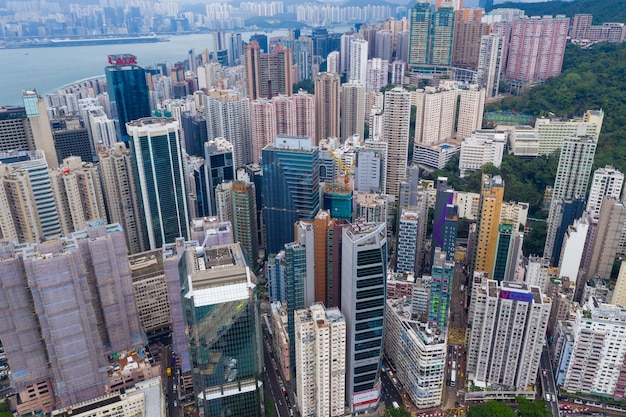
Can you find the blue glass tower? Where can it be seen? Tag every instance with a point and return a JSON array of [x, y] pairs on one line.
[[128, 92], [161, 178], [442, 274], [290, 188]]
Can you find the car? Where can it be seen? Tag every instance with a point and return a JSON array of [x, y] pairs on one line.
[[458, 366], [544, 372], [449, 363], [175, 403]]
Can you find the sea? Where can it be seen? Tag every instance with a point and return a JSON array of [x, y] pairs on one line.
[[48, 69]]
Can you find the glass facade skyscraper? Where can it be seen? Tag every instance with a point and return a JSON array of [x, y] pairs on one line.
[[290, 188], [224, 331], [128, 94], [159, 164]]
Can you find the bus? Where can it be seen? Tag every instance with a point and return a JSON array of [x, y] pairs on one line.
[[453, 378]]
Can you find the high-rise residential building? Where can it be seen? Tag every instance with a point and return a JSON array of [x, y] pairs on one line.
[[357, 70], [480, 148], [320, 351], [471, 107], [418, 353], [128, 92], [573, 248], [606, 182], [34, 162], [101, 127], [19, 219], [78, 194], [228, 116], [27, 128], [371, 167], [508, 325], [220, 167], [442, 273], [290, 188], [224, 338], [468, 32], [568, 210], [396, 120], [608, 239], [377, 74], [119, 185], [352, 110], [372, 207], [383, 45], [398, 68], [552, 133], [263, 123], [572, 178], [619, 293], [333, 63], [267, 74], [157, 148], [435, 113], [402, 46], [490, 63], [491, 197], [305, 114], [536, 48], [432, 34], [68, 292], [240, 210], [585, 33], [596, 357], [363, 277], [71, 138], [327, 106]]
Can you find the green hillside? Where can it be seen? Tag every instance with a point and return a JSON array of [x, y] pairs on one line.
[[602, 10]]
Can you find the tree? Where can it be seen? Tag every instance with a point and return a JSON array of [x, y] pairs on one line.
[[490, 409], [532, 408]]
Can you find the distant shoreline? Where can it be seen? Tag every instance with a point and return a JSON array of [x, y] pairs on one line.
[[55, 43]]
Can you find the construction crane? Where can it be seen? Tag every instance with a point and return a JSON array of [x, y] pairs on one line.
[[346, 170]]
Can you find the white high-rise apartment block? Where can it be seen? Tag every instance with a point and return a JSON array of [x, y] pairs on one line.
[[490, 63], [552, 133], [371, 167], [102, 128], [321, 361], [418, 353], [358, 61], [435, 114], [606, 181], [537, 272], [480, 148], [77, 193], [572, 177], [508, 325], [398, 69], [407, 241], [377, 74], [471, 107], [572, 250], [468, 204], [346, 47], [395, 131], [599, 349], [333, 63]]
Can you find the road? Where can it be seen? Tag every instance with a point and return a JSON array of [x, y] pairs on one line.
[[548, 385], [271, 383], [389, 391]]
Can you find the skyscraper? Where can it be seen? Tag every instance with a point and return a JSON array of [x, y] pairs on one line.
[[290, 187], [19, 219], [396, 120], [536, 48], [119, 184], [508, 325], [327, 105], [607, 181], [377, 75], [220, 167], [490, 63], [263, 123], [228, 116], [419, 33], [128, 92], [572, 177], [68, 292], [435, 114], [358, 61], [468, 32], [508, 253], [352, 110], [432, 34], [492, 194], [267, 74], [406, 251], [442, 273], [34, 162], [320, 352], [78, 194], [363, 277], [157, 149], [608, 241], [221, 313], [471, 108]]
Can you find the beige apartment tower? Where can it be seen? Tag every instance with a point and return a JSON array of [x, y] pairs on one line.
[[352, 110], [321, 361], [490, 208], [396, 120], [327, 105], [19, 219]]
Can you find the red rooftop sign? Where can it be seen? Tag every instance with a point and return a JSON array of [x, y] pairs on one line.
[[125, 59]]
